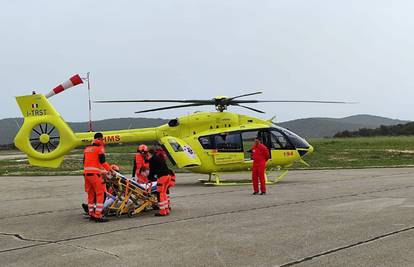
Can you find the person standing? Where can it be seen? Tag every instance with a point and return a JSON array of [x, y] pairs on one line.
[[170, 185], [95, 166], [260, 154], [159, 172], [140, 161]]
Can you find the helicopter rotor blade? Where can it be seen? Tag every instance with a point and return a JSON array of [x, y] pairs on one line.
[[195, 101], [234, 97], [250, 108], [170, 107], [291, 101]]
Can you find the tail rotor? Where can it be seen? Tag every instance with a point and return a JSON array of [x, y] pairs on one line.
[[44, 138]]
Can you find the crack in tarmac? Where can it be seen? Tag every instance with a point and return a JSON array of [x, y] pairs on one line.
[[20, 237], [359, 243], [95, 249], [49, 242], [38, 213]]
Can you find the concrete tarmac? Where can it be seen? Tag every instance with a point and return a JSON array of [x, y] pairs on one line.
[[311, 218]]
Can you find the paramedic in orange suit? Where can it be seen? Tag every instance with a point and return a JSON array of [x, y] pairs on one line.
[[95, 166], [140, 161], [260, 154]]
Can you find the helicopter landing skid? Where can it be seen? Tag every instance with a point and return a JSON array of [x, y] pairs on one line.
[[220, 182]]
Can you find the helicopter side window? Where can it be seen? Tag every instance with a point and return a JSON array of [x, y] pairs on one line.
[[279, 141], [175, 146], [206, 142], [228, 142]]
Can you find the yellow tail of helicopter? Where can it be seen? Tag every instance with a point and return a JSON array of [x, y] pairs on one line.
[[46, 138]]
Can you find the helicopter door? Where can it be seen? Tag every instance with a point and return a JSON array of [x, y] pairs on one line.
[[248, 141], [228, 147], [181, 152]]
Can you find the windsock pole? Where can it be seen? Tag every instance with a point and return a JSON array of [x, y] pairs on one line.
[[90, 105], [73, 81]]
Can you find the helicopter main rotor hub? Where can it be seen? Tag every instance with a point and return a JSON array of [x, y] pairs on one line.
[[221, 108], [221, 103]]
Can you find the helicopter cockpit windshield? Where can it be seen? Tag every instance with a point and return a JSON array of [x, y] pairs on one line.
[[295, 139]]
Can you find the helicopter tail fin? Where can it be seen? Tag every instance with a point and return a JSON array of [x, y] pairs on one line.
[[44, 136]]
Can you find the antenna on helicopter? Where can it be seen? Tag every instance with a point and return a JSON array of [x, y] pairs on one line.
[[220, 102]]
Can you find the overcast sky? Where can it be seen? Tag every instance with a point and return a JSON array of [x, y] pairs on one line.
[[360, 50]]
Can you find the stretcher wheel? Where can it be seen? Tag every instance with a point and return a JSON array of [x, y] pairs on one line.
[[131, 213], [118, 214]]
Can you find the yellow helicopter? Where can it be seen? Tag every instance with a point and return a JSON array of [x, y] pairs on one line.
[[202, 142]]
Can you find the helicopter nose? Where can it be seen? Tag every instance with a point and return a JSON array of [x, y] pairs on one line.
[[305, 151]]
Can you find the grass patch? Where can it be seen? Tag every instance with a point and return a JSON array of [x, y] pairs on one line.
[[362, 152]]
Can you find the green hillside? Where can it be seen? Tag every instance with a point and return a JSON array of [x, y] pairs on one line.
[[328, 127]]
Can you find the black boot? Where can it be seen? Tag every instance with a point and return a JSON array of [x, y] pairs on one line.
[[158, 214], [85, 208], [101, 220], [96, 219]]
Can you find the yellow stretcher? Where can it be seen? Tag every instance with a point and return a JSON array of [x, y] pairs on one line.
[[129, 197]]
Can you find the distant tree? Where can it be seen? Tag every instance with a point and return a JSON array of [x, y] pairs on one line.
[[393, 130], [383, 130]]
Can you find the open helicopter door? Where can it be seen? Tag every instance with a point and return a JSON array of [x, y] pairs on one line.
[[181, 152]]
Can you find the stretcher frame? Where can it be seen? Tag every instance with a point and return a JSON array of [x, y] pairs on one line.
[[130, 198]]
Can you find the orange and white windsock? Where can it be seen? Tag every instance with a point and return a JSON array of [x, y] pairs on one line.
[[73, 81]]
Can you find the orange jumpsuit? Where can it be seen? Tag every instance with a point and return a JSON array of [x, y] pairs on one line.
[[162, 187], [160, 172], [94, 166], [170, 185], [260, 155], [139, 163]]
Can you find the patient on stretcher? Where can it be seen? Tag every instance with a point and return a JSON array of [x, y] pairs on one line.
[[144, 172], [150, 187]]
